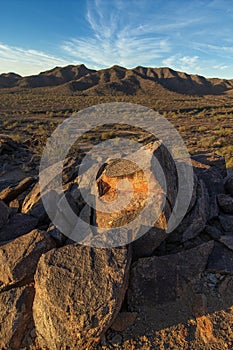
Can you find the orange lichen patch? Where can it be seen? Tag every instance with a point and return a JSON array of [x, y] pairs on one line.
[[109, 186], [119, 180]]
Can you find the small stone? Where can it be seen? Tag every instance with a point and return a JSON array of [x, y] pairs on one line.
[[212, 278], [116, 340]]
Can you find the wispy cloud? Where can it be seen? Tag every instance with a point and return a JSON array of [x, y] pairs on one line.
[[16, 59], [183, 63], [220, 66], [118, 39]]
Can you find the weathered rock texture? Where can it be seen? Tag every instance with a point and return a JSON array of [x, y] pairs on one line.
[[79, 291], [15, 314]]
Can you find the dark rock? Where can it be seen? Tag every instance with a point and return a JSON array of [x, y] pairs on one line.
[[220, 260], [158, 280], [213, 209], [15, 315], [18, 225], [146, 244], [212, 172], [195, 221], [228, 184], [225, 201], [211, 160], [19, 257], [213, 232], [226, 222], [59, 238], [7, 145], [79, 291], [4, 213], [168, 165], [227, 240]]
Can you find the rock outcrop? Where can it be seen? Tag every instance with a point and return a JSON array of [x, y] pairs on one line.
[[170, 291]]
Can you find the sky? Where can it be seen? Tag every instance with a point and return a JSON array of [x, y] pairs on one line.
[[194, 36]]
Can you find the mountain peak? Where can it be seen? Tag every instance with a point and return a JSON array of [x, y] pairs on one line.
[[118, 80]]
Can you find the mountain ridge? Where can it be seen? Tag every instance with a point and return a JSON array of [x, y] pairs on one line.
[[118, 80]]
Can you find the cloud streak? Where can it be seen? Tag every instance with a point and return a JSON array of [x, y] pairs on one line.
[[116, 39], [27, 61], [184, 63]]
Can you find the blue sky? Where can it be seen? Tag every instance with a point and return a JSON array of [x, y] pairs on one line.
[[194, 36]]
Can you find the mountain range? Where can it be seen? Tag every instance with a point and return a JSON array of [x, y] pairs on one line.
[[117, 80]]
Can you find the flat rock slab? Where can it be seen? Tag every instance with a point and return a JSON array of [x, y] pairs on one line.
[[15, 314], [79, 291], [18, 225], [14, 189], [157, 280], [19, 258]]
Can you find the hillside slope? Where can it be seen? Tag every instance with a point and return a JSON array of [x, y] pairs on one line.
[[119, 80]]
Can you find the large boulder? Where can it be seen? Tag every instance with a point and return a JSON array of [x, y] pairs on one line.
[[153, 196], [79, 291]]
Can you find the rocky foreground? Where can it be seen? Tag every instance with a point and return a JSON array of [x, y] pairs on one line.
[[160, 292]]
